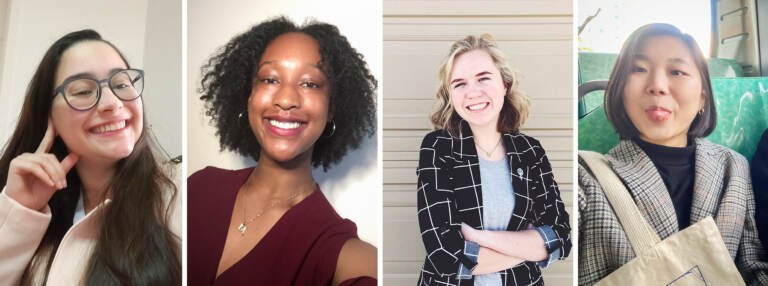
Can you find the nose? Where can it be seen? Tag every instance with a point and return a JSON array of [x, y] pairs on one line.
[[287, 97], [108, 100], [474, 90], [657, 83]]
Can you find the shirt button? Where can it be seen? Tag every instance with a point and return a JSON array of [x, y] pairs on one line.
[[520, 171]]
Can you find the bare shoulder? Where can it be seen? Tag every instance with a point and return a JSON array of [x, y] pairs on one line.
[[357, 258]]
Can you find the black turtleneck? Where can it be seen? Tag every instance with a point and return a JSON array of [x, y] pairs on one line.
[[676, 167]]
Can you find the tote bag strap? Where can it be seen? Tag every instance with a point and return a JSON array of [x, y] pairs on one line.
[[641, 235]]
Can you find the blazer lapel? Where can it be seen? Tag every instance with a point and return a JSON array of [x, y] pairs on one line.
[[647, 188], [521, 182], [708, 184], [465, 154]]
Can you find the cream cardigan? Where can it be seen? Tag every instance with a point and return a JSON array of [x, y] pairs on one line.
[[22, 229]]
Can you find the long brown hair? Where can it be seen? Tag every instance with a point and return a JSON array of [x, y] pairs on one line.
[[135, 245]]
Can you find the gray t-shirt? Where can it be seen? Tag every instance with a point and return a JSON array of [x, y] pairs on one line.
[[498, 202]]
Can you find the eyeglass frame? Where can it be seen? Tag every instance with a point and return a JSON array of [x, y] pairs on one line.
[[60, 88]]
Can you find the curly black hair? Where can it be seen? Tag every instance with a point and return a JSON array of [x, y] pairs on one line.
[[228, 80]]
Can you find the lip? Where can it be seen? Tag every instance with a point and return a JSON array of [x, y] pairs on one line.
[[487, 105], [657, 114], [284, 132]]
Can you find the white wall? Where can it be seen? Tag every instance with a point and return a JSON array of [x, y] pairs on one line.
[[4, 5], [162, 64], [33, 25], [353, 187]]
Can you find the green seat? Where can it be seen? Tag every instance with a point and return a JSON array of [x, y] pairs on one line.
[[742, 116]]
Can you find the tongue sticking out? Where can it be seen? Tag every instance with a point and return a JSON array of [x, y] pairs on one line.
[[658, 115]]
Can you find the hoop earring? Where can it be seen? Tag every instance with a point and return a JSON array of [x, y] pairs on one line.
[[240, 117], [333, 129]]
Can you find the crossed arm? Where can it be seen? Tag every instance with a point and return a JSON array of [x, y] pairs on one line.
[[446, 244], [501, 250]]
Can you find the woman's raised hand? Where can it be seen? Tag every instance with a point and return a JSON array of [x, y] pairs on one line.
[[34, 177]]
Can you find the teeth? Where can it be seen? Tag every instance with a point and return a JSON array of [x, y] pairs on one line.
[[477, 106], [284, 125], [110, 127]]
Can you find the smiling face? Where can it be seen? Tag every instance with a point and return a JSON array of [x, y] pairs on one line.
[[288, 105], [664, 91], [108, 131], [477, 89]]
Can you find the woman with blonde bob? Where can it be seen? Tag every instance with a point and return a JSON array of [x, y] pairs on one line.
[[501, 229], [660, 102]]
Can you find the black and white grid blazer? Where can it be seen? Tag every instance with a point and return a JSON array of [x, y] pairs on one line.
[[450, 192]]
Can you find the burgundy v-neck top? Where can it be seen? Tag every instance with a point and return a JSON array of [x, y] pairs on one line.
[[301, 248]]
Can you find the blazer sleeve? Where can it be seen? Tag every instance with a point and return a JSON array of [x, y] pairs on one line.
[[549, 207], [21, 230], [437, 214]]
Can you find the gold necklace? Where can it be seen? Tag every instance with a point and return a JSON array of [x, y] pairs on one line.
[[488, 154], [243, 227]]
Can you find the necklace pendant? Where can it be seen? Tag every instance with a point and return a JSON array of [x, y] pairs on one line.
[[242, 228]]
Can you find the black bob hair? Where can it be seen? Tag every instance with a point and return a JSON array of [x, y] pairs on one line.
[[704, 122], [228, 79]]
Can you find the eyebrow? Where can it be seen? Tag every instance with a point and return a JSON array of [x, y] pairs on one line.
[[90, 75], [482, 73], [317, 66], [672, 60]]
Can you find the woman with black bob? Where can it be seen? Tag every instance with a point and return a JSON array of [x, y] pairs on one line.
[[660, 102], [291, 97], [490, 210], [85, 200]]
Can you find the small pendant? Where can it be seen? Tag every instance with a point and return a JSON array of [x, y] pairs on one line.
[[242, 228]]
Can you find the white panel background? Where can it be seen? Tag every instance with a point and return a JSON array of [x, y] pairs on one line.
[[537, 39], [353, 187]]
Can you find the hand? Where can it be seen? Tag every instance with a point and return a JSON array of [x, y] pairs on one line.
[[34, 177], [471, 234]]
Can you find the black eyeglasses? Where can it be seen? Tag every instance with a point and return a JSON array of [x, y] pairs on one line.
[[84, 93]]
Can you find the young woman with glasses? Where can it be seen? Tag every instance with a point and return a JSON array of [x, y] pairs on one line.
[[85, 201]]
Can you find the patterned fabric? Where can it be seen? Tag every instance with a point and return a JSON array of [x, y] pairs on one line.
[[722, 190], [450, 192]]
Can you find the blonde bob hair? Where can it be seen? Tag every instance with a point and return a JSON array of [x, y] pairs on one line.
[[516, 107]]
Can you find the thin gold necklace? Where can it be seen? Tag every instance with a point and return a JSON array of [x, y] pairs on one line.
[[491, 152], [243, 227]]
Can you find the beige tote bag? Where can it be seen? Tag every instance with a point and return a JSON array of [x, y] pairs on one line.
[[694, 256]]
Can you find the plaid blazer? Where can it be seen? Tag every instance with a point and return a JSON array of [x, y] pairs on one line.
[[450, 192], [722, 189]]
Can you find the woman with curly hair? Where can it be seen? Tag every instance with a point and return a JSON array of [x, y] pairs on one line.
[[85, 200], [291, 97], [501, 229]]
